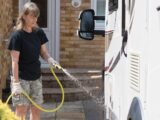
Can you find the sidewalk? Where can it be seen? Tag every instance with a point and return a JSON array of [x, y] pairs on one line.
[[69, 111], [79, 110], [92, 110]]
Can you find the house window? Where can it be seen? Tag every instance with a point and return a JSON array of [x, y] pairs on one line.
[[42, 20], [99, 7]]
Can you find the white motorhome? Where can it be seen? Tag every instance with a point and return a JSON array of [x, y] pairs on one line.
[[132, 62]]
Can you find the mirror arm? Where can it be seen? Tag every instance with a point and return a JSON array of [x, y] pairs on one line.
[[99, 32], [99, 17]]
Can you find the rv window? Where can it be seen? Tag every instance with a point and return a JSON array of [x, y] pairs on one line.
[[113, 5]]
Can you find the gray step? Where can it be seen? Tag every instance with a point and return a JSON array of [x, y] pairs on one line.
[[50, 82], [78, 77], [72, 71], [71, 94], [67, 90]]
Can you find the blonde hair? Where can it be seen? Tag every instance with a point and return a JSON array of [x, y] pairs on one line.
[[28, 8]]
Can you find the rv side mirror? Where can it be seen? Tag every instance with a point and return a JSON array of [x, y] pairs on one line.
[[87, 25]]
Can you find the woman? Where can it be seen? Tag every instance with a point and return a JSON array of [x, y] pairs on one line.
[[26, 45]]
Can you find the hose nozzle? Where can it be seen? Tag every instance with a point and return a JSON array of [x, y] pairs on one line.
[[57, 67]]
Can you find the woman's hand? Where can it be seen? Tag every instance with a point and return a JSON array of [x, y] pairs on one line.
[[53, 63], [45, 55], [16, 88]]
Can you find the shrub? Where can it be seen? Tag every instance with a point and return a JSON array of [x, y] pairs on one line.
[[6, 113]]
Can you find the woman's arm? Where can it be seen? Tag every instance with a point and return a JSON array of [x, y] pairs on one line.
[[15, 60], [44, 53]]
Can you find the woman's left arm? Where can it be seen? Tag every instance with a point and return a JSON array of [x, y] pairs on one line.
[[44, 53]]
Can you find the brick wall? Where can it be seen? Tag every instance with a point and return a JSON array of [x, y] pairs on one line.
[[75, 52], [5, 27]]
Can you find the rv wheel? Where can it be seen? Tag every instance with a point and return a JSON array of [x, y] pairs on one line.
[[135, 110]]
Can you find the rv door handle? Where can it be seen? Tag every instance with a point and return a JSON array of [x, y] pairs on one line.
[[158, 8], [124, 41]]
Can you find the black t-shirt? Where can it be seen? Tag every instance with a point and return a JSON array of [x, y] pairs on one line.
[[28, 44]]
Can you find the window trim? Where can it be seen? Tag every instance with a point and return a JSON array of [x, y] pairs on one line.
[[98, 26]]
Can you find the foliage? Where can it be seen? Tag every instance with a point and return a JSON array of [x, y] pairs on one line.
[[6, 113]]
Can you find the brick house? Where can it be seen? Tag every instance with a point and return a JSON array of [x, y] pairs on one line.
[[60, 22], [59, 19]]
